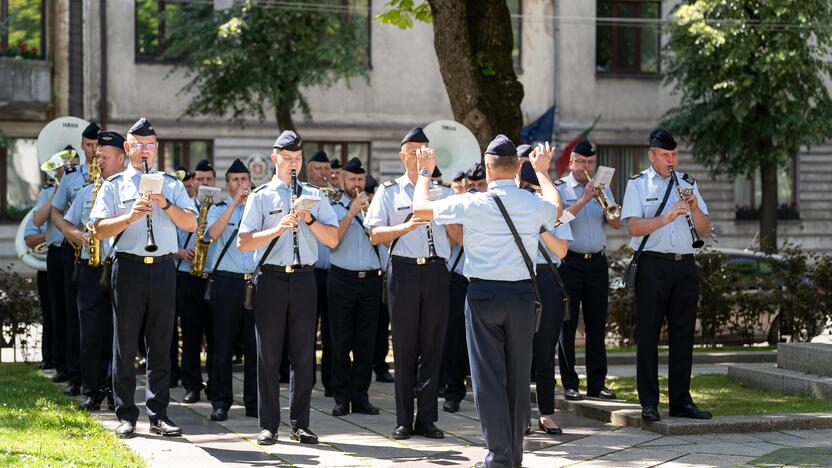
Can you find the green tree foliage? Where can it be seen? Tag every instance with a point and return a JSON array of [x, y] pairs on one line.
[[255, 58], [751, 78]]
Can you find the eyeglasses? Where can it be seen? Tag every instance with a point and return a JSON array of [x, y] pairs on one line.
[[143, 146], [583, 162]]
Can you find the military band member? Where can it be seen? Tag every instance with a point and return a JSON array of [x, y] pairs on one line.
[[499, 312], [143, 282], [355, 284], [71, 183], [667, 285], [192, 310], [458, 183], [335, 172], [286, 295], [231, 322], [94, 306], [35, 236], [417, 297], [476, 177], [586, 274]]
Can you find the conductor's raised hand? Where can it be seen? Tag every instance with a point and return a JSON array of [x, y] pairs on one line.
[[425, 158], [541, 157]]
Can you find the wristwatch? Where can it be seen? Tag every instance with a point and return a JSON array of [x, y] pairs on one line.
[[167, 204], [425, 172], [312, 221]]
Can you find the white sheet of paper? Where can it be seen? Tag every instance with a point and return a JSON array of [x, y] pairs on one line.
[[566, 217], [435, 194], [305, 202], [151, 183], [205, 191], [603, 176]]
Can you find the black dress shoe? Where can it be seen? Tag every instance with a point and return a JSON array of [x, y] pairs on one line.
[[402, 432], [604, 393], [528, 430], [46, 365], [125, 430], [572, 394], [72, 390], [91, 404], [650, 413], [451, 406], [165, 427], [267, 437], [385, 377], [690, 411], [219, 414], [304, 436], [364, 408], [428, 430], [549, 430], [191, 396], [60, 377], [341, 409]]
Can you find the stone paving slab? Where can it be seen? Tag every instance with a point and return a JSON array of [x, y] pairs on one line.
[[809, 358], [775, 379]]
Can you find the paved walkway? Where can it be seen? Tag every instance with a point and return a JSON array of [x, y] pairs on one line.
[[361, 440]]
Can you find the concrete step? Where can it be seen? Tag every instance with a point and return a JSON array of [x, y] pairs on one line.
[[786, 381], [809, 358], [716, 357]]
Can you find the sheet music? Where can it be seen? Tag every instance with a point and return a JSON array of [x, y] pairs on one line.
[[151, 183], [603, 176]]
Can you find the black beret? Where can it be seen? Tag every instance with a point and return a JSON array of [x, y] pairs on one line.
[[237, 167], [527, 174], [524, 151], [584, 148], [415, 135], [111, 138], [142, 127], [204, 165], [335, 164], [476, 172], [354, 166], [370, 184], [91, 132], [436, 172], [501, 146], [661, 138], [458, 176], [319, 156], [289, 141]]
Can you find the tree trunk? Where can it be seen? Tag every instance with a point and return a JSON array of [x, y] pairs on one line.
[[283, 116], [768, 206], [473, 42]]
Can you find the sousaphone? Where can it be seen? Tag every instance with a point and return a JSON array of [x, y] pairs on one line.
[[456, 147]]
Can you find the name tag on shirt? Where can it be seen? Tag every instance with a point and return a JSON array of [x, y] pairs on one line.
[[651, 199], [402, 208], [276, 211], [128, 201]]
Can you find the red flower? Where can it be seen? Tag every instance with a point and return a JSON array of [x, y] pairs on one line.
[[21, 47]]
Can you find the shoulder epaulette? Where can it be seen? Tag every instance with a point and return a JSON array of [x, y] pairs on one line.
[[88, 183], [689, 179], [259, 188], [636, 176], [113, 177], [221, 203], [559, 182], [170, 175], [389, 183], [70, 170]]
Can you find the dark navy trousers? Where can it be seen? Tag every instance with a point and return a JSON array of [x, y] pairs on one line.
[[499, 319], [546, 338], [195, 321], [46, 313], [57, 305], [73, 326], [142, 293], [96, 319], [418, 304], [455, 361]]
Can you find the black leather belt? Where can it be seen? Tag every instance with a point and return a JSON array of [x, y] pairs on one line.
[[418, 260], [146, 260], [289, 269], [586, 256], [480, 280], [668, 256], [237, 276], [365, 274]]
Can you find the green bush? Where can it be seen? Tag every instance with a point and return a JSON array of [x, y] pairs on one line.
[[18, 309]]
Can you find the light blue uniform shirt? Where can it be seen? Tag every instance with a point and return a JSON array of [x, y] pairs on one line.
[[354, 252], [324, 254], [641, 200], [70, 185], [264, 209], [233, 261], [588, 227], [31, 229], [457, 250], [116, 198], [490, 251], [562, 232], [390, 206], [78, 215], [54, 236]]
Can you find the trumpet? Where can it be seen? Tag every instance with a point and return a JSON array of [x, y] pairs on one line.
[[611, 211], [684, 194], [355, 197], [150, 246], [332, 194]]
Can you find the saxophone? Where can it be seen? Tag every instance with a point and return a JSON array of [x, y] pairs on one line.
[[200, 244], [94, 245]]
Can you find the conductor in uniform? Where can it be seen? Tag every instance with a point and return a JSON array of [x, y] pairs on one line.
[[285, 304], [585, 273], [143, 281], [666, 283], [417, 296], [355, 284], [500, 308]]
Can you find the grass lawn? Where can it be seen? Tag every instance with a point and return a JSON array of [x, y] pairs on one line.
[[39, 426], [725, 396], [696, 349]]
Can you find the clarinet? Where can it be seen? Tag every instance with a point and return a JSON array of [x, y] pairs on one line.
[[431, 244], [697, 241], [151, 242], [296, 263]]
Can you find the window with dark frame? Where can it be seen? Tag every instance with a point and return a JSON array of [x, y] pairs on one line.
[[152, 18], [748, 194], [628, 37], [20, 177], [515, 8], [22, 28], [174, 154], [361, 10], [626, 160]]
